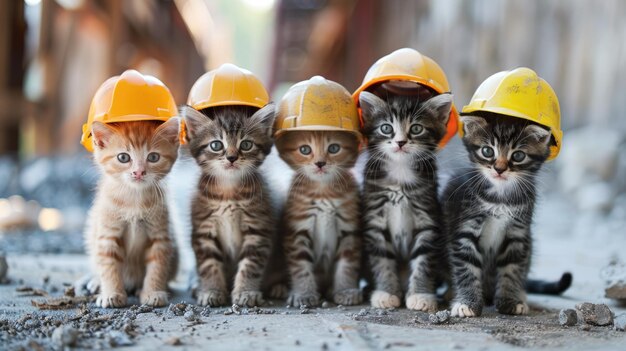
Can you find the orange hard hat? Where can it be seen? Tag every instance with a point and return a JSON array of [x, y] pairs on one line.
[[129, 97], [408, 65]]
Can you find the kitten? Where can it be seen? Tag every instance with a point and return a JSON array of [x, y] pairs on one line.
[[127, 237], [403, 238], [321, 218], [489, 210], [232, 222]]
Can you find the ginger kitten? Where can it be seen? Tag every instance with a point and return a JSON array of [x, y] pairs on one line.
[[321, 217], [232, 221], [128, 238]]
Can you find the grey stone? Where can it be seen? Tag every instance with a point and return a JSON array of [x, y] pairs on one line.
[[64, 335], [439, 317], [4, 268], [568, 318], [118, 338], [595, 314], [190, 316], [619, 323]]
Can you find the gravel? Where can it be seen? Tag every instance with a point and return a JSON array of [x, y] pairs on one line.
[[595, 314], [568, 318], [439, 317], [65, 336], [619, 323]]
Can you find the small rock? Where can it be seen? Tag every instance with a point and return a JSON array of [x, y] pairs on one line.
[[4, 268], [363, 312], [64, 336], [325, 304], [174, 341], [595, 314], [190, 316], [117, 338], [619, 323], [69, 291], [568, 318], [439, 317]]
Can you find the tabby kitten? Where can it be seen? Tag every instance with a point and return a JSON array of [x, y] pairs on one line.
[[403, 237], [232, 222], [321, 217], [489, 210], [127, 237]]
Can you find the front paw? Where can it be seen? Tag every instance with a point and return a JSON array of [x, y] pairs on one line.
[[348, 297], [383, 299], [93, 285], [211, 298], [248, 298], [153, 298], [111, 300], [279, 291], [310, 299], [422, 302], [511, 306], [463, 310]]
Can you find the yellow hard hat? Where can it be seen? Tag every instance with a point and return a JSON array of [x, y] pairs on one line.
[[227, 85], [519, 93], [129, 97], [317, 104], [409, 65]]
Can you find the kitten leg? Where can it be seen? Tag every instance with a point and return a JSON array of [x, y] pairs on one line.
[[254, 257], [109, 262], [384, 269], [467, 266], [512, 265], [209, 260], [298, 248], [159, 257], [346, 280], [421, 292]]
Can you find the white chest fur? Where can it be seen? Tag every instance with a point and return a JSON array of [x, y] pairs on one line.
[[400, 172], [400, 221], [495, 226], [228, 222], [326, 228]]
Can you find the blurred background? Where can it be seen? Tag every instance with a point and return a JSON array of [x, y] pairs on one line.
[[55, 53]]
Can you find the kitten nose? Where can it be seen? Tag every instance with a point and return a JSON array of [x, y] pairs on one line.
[[138, 174], [401, 143], [499, 169], [320, 164], [232, 159]]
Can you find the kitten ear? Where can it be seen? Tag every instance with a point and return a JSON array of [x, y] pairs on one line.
[[371, 105], [265, 118], [101, 134], [472, 124], [541, 134], [194, 120], [439, 106], [169, 130]]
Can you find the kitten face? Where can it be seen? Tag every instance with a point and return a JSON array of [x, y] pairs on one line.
[[506, 150], [229, 142], [319, 156], [137, 154], [403, 128]]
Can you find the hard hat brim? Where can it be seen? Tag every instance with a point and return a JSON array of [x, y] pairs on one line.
[[316, 128], [87, 140]]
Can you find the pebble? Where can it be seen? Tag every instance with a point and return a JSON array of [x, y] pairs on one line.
[[117, 338], [568, 318], [325, 304], [595, 314], [4, 268], [174, 341], [64, 336], [619, 323], [439, 317], [190, 316]]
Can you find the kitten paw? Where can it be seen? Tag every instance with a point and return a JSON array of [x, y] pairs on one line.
[[248, 298], [211, 298], [93, 285], [348, 297], [513, 308], [462, 310], [383, 299], [279, 291], [422, 302], [307, 299], [111, 300], [153, 298]]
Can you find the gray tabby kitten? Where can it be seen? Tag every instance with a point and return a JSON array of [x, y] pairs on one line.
[[402, 216], [232, 217], [489, 212]]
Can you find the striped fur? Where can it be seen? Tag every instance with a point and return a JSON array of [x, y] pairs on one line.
[[321, 218], [402, 219], [232, 223], [127, 237], [488, 211]]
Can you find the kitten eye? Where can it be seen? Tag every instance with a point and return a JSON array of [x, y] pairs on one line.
[[305, 149], [518, 156], [333, 148], [416, 129], [245, 145], [216, 145], [386, 129], [123, 157], [487, 151], [153, 157]]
